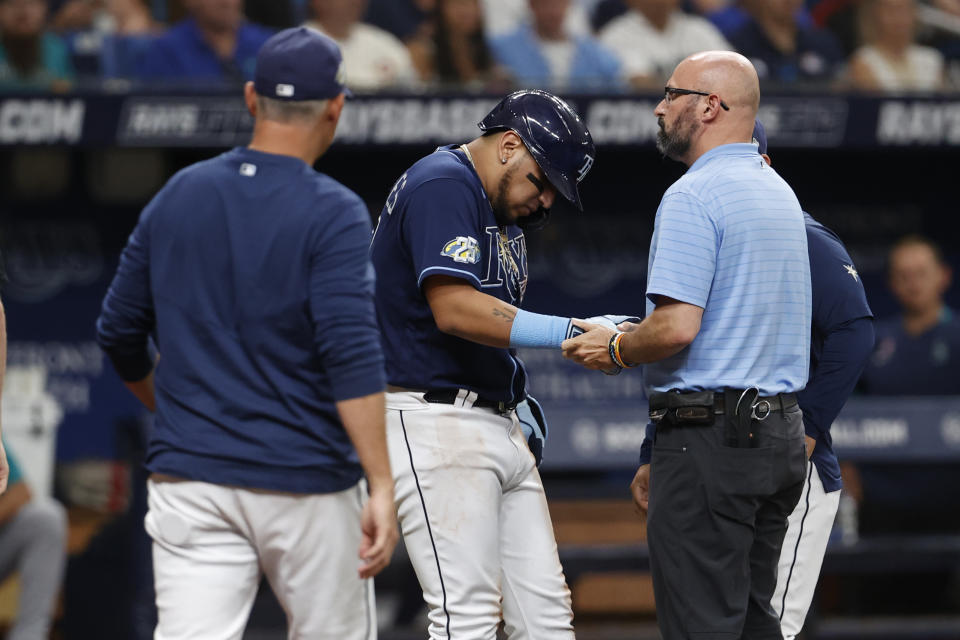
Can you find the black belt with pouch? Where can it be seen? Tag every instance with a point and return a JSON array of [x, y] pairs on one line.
[[740, 407]]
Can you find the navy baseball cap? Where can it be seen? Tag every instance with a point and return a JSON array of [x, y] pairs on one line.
[[760, 136], [300, 64]]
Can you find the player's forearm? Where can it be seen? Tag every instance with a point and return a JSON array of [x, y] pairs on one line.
[[668, 330], [144, 391], [845, 352], [462, 311], [364, 419]]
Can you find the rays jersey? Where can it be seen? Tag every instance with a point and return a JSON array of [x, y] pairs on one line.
[[437, 221]]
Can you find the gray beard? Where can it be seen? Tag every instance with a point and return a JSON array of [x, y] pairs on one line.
[[671, 146]]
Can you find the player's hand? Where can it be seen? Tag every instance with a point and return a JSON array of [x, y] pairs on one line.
[[811, 443], [379, 524], [640, 488], [4, 468], [591, 349]]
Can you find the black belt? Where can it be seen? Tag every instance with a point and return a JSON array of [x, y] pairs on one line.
[[450, 396], [662, 402]]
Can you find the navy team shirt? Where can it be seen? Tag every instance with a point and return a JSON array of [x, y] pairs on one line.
[[250, 272], [437, 221], [927, 364], [841, 341]]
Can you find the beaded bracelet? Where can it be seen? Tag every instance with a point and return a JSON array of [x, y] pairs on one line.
[[614, 348]]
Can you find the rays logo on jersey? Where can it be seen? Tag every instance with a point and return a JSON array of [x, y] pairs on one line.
[[462, 249], [506, 264]]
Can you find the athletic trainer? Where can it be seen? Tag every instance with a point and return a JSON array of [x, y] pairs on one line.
[[727, 339], [451, 262], [250, 272]]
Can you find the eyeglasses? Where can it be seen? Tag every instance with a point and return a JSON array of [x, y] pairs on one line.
[[669, 92]]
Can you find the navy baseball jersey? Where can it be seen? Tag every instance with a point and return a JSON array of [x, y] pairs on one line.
[[927, 364], [437, 221], [841, 341], [250, 271]]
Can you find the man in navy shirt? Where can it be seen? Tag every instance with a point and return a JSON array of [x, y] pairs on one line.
[[451, 261], [251, 275], [784, 49], [918, 352], [840, 343], [214, 43]]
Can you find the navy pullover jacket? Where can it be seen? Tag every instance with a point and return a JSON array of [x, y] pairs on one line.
[[250, 272]]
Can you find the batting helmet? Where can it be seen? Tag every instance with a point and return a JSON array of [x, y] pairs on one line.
[[554, 134]]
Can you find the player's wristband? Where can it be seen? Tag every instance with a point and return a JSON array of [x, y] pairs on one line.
[[614, 347], [538, 330]]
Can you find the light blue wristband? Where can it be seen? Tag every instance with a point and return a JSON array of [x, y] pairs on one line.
[[538, 330]]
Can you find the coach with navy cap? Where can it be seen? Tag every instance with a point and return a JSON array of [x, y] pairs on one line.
[[250, 272]]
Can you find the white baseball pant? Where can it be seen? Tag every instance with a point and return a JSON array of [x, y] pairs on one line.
[[475, 522], [808, 530], [212, 543]]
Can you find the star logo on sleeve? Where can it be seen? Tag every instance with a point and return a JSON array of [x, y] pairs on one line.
[[852, 271]]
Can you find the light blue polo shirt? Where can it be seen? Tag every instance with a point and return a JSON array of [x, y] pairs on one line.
[[729, 237]]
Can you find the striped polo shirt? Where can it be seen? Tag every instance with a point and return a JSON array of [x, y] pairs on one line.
[[729, 237]]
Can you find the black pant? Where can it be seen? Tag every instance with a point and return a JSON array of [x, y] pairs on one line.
[[716, 523]]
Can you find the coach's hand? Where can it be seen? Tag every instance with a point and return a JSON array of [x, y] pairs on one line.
[[591, 349], [640, 488], [811, 444], [379, 525]]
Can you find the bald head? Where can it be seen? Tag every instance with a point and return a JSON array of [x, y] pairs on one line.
[[726, 73], [714, 102]]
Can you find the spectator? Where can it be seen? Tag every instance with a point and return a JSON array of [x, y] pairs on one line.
[[781, 49], [124, 17], [545, 53], [890, 58], [654, 36], [30, 56], [455, 52], [503, 17], [214, 43], [372, 58], [33, 543], [917, 353], [729, 16], [405, 19]]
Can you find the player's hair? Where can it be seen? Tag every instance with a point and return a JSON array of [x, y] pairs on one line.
[[290, 112], [917, 239]]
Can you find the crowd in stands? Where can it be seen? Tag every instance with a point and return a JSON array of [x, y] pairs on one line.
[[485, 45]]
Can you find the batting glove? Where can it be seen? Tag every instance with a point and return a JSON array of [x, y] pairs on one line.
[[534, 426], [610, 322]]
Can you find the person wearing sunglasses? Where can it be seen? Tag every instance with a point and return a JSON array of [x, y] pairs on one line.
[[726, 343]]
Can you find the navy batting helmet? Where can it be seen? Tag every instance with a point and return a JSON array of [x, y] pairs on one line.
[[554, 134]]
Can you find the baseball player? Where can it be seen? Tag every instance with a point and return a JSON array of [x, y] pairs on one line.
[[451, 263], [250, 271], [840, 345]]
